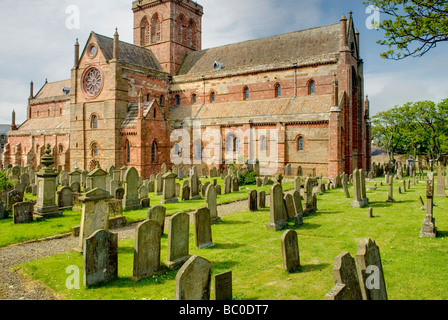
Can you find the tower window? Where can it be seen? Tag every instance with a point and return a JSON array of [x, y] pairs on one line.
[[94, 150], [246, 94], [177, 100], [312, 87], [198, 151], [162, 98], [155, 29], [154, 152], [94, 122], [145, 31], [264, 144], [278, 91], [300, 144], [194, 98], [212, 97], [128, 151]]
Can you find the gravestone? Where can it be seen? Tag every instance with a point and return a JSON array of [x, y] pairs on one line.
[[95, 214], [25, 179], [265, 180], [13, 197], [143, 192], [297, 184], [357, 197], [158, 213], [390, 194], [288, 170], [259, 182], [299, 171], [289, 206], [185, 193], [297, 198], [119, 193], [204, 188], [262, 200], [97, 179], [169, 188], [193, 280], [146, 249], [368, 255], [278, 217], [227, 184], [159, 184], [202, 228], [100, 258], [164, 168], [115, 208], [65, 198], [308, 197], [253, 200], [75, 187], [131, 200], [223, 286], [4, 214], [194, 186], [235, 184], [290, 250], [22, 212], [345, 278], [218, 189], [428, 227], [178, 240], [211, 203]]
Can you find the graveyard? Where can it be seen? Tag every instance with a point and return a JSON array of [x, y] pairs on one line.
[[248, 241]]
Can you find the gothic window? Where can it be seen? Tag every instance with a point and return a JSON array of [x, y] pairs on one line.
[[198, 150], [300, 144], [177, 100], [176, 150], [189, 37], [155, 29], [61, 149], [312, 87], [212, 97], [194, 98], [128, 151], [94, 122], [162, 98], [94, 150], [155, 112], [278, 90], [180, 28], [154, 152], [192, 36], [246, 93], [232, 143], [145, 31]]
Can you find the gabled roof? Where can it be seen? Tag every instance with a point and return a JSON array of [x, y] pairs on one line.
[[53, 89], [306, 46], [128, 53], [130, 122]]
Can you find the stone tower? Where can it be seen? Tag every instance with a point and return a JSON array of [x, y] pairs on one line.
[[169, 28]]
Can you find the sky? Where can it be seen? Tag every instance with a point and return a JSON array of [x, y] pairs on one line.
[[37, 38]]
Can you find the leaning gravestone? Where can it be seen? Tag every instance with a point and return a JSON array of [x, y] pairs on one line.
[[193, 280], [345, 278], [178, 240], [297, 198], [22, 212], [289, 206], [146, 249], [100, 258], [290, 250], [278, 214], [159, 184], [202, 228], [158, 213], [368, 256]]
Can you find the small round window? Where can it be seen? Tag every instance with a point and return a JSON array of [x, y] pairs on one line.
[[93, 51]]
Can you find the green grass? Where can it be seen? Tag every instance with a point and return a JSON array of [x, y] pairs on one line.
[[11, 233], [415, 268]]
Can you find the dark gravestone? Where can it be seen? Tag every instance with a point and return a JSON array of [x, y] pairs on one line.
[[146, 249], [290, 250], [253, 201], [22, 212], [262, 199], [203, 228], [223, 286], [345, 273], [178, 239], [193, 280]]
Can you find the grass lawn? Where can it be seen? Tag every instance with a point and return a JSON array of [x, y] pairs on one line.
[[11, 233], [415, 268]]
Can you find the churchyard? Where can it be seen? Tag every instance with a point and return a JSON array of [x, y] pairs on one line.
[[286, 250]]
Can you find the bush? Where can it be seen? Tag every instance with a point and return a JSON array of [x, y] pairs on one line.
[[248, 178]]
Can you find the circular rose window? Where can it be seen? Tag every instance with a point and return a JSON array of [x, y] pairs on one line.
[[93, 82]]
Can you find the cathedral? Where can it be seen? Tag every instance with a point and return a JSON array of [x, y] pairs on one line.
[[294, 99]]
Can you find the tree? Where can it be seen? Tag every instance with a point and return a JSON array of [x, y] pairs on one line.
[[414, 28], [5, 184]]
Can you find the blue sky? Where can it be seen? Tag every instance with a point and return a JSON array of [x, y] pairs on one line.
[[37, 45]]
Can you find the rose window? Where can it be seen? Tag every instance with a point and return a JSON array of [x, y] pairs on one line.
[[93, 82]]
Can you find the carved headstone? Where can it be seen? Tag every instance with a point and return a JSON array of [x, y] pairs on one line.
[[193, 280]]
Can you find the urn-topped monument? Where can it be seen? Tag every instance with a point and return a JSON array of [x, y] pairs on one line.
[[46, 182]]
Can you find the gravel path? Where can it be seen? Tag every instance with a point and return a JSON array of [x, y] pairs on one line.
[[15, 286]]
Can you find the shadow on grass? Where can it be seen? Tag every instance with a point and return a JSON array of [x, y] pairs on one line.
[[234, 222], [312, 267], [442, 234], [228, 245], [304, 226]]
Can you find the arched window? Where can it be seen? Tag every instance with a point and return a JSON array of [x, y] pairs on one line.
[[176, 150], [194, 98], [192, 30], [145, 31], [61, 148], [300, 144], [161, 100], [128, 151], [212, 97], [177, 100], [312, 87], [154, 152], [155, 29], [264, 143], [94, 122], [246, 93], [232, 143], [278, 90], [94, 150], [198, 151], [180, 28]]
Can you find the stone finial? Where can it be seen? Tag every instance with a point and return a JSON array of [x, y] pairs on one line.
[[76, 53], [116, 45], [47, 159]]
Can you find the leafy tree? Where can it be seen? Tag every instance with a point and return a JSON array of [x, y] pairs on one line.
[[5, 184], [414, 28]]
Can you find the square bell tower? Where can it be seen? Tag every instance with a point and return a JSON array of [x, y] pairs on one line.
[[169, 28]]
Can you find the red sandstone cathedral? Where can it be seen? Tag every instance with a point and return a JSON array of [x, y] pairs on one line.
[[293, 99]]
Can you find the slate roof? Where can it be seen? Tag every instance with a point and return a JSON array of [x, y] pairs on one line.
[[306, 46], [130, 122], [269, 108], [53, 89], [36, 126], [128, 53]]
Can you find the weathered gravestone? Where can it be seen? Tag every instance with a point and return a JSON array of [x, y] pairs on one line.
[[146, 249], [22, 212], [131, 200], [75, 187], [308, 197], [357, 196], [235, 184], [193, 280], [390, 194], [185, 193], [368, 259], [262, 199], [440, 182], [227, 184], [289, 206], [298, 218], [95, 214], [253, 200], [202, 228], [13, 197], [428, 227], [290, 251], [65, 198], [169, 188], [119, 193], [143, 192], [158, 213], [159, 185], [178, 240], [345, 278], [97, 178], [4, 214], [223, 286], [297, 184], [278, 213], [211, 203], [194, 186], [100, 258]]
